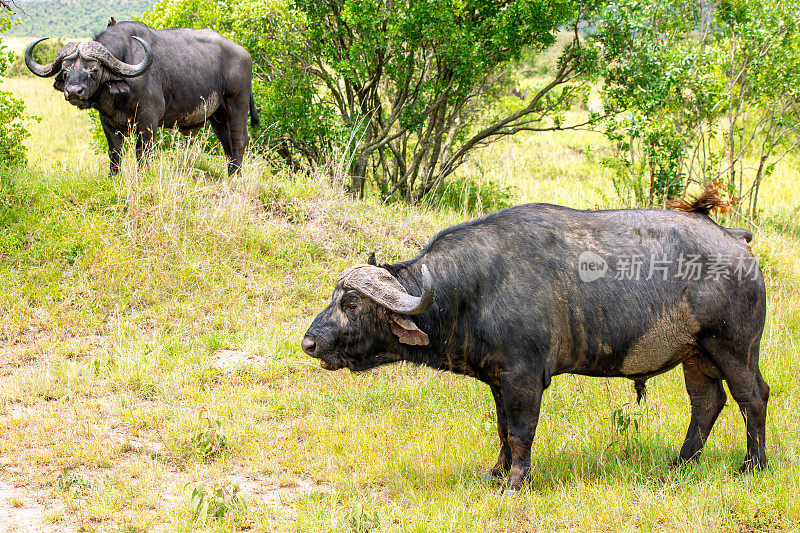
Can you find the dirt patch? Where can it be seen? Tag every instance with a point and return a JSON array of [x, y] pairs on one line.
[[278, 494], [23, 510], [230, 360], [127, 443], [17, 353]]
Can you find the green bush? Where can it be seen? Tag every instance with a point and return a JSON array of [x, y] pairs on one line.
[[699, 92], [208, 505], [393, 97], [12, 110]]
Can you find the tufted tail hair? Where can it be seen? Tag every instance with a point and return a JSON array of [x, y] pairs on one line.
[[708, 201]]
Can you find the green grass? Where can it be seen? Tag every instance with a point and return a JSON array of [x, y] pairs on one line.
[[116, 292]]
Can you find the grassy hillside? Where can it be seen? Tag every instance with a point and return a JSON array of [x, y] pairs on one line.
[[120, 298], [73, 18]]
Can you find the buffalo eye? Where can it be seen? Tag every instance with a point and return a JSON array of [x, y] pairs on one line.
[[350, 303]]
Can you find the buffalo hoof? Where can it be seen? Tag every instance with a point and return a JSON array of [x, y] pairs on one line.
[[513, 485], [510, 489], [498, 472], [751, 464], [679, 462], [491, 477]]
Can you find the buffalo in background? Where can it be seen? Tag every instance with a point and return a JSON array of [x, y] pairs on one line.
[[504, 299], [139, 79]]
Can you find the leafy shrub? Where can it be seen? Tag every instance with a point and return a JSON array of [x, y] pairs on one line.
[[699, 92], [627, 424], [67, 482], [216, 503], [12, 110], [211, 441]]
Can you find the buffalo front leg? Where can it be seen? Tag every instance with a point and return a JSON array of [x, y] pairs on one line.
[[115, 141], [144, 144], [504, 459], [521, 400], [707, 397]]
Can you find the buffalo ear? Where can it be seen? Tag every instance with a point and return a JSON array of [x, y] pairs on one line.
[[371, 259], [407, 331], [60, 81], [118, 87]]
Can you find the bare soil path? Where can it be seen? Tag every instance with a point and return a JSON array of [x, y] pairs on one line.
[[22, 510]]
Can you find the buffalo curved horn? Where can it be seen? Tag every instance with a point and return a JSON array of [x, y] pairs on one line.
[[98, 52], [52, 68], [380, 286]]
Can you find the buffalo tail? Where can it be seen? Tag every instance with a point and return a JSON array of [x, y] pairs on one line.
[[254, 119]]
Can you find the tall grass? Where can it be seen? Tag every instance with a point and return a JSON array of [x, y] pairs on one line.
[[116, 294]]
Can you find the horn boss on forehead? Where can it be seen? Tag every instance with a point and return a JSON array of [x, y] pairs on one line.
[[98, 52], [380, 286]]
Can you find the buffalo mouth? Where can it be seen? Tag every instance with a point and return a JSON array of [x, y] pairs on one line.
[[80, 103], [336, 362], [330, 365], [332, 362]]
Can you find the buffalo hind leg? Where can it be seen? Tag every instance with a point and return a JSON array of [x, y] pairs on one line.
[[237, 126], [738, 364], [504, 458], [752, 396], [707, 397]]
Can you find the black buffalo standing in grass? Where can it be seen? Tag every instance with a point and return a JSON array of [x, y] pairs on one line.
[[530, 292], [139, 79]]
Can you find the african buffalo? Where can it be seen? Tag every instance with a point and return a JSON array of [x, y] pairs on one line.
[[139, 79], [533, 291]]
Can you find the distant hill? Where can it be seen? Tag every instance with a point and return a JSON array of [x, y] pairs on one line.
[[72, 18]]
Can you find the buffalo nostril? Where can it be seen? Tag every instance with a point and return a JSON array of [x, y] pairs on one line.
[[74, 93], [308, 345]]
